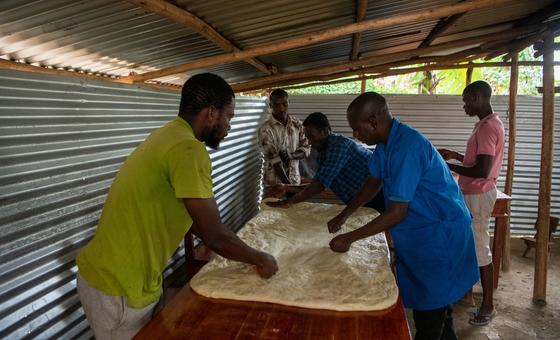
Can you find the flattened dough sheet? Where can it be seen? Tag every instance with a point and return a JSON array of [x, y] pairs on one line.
[[310, 275]]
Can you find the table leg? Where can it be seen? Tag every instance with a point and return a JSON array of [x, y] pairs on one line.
[[497, 249]]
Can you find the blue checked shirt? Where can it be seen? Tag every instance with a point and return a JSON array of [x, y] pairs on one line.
[[343, 166]]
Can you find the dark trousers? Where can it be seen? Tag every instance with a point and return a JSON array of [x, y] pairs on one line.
[[377, 203], [435, 324]]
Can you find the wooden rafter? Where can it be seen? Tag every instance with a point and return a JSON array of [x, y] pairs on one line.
[[320, 36], [407, 71], [385, 58], [361, 10], [188, 19], [12, 65], [440, 28]]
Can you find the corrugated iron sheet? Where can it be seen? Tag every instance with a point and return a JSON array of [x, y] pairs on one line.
[[117, 37], [442, 119], [62, 140]]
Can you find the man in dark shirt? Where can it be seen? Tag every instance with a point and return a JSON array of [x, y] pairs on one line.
[[342, 165]]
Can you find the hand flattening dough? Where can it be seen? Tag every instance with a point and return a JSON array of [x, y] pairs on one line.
[[310, 275]]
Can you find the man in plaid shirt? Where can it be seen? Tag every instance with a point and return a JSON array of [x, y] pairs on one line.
[[343, 165]]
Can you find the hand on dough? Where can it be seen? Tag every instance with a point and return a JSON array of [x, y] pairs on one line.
[[266, 266], [340, 244], [336, 223], [279, 204]]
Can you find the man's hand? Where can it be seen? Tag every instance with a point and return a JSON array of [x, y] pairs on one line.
[[285, 157], [340, 243], [336, 223], [447, 154], [284, 204], [266, 266]]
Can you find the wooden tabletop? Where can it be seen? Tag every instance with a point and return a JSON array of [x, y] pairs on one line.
[[191, 316]]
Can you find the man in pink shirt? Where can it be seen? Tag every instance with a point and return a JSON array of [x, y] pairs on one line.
[[479, 172]]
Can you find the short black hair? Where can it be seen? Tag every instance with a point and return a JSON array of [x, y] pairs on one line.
[[479, 87], [278, 93], [319, 120], [204, 90]]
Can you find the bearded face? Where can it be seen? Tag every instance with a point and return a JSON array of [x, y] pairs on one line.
[[219, 130]]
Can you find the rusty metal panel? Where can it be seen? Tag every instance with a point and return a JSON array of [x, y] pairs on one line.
[[62, 140]]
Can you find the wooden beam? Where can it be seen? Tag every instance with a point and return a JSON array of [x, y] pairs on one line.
[[189, 20], [556, 88], [545, 179], [390, 57], [386, 73], [526, 42], [540, 15], [12, 65], [441, 27], [540, 51], [513, 82], [468, 79], [361, 11], [364, 84], [324, 35]]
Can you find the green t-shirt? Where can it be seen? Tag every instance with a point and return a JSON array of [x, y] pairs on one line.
[[144, 218]]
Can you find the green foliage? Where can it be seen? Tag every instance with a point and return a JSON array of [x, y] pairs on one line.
[[448, 81]]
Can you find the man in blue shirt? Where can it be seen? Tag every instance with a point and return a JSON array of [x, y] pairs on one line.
[[342, 165], [426, 215]]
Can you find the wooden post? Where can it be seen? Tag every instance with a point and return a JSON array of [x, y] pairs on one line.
[[468, 81], [363, 85], [513, 80], [541, 258]]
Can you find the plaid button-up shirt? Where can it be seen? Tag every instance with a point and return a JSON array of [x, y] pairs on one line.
[[343, 166]]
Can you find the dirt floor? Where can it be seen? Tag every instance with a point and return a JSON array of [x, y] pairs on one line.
[[518, 318]]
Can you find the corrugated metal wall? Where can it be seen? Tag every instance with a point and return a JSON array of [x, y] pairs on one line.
[[61, 142], [442, 119]]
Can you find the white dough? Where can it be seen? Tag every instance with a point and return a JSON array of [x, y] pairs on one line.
[[310, 274]]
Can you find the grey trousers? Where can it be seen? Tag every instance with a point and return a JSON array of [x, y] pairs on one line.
[[109, 316]]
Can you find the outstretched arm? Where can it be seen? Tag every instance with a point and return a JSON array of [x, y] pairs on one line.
[[208, 226], [367, 193], [391, 217]]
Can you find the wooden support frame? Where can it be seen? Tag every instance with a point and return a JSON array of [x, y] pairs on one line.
[[440, 28], [385, 58], [361, 11], [508, 190], [189, 20], [320, 36], [545, 180]]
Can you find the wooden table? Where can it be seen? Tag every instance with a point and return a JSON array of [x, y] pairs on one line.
[[191, 316], [501, 234]]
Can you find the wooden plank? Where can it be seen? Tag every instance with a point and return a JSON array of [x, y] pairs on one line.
[[556, 88], [468, 79], [323, 35], [545, 178], [440, 28], [384, 71], [188, 19], [513, 81], [394, 57], [361, 10], [196, 317]]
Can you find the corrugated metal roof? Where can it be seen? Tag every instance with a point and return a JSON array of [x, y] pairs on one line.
[[117, 37]]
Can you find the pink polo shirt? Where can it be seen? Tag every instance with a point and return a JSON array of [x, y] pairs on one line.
[[487, 139]]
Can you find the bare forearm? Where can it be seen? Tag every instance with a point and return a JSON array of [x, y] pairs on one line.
[[230, 246], [473, 172], [298, 154], [380, 224], [281, 173], [366, 194], [309, 191]]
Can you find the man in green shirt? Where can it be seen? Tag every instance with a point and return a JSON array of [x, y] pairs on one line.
[[162, 189]]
